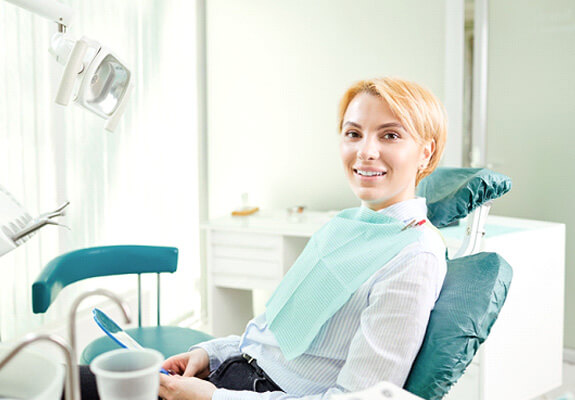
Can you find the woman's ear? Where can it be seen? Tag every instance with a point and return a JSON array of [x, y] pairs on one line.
[[427, 152]]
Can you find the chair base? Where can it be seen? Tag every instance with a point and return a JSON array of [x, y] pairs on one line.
[[168, 340]]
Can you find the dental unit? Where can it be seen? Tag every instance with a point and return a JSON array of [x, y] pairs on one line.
[[51, 388]]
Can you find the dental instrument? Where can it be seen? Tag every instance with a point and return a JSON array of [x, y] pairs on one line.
[[94, 77], [96, 292], [17, 225], [117, 334], [58, 212], [110, 328], [29, 229], [413, 223]]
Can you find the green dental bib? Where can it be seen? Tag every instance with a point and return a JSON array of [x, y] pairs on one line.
[[337, 260]]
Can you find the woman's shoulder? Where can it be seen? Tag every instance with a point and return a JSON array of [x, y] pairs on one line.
[[425, 254], [424, 259], [429, 241]]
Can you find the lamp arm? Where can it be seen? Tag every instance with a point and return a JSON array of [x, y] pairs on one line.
[[51, 9], [71, 71], [61, 47]]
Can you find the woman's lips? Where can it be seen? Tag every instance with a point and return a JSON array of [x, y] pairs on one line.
[[369, 173]]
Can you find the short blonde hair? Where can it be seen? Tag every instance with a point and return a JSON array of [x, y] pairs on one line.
[[419, 111]]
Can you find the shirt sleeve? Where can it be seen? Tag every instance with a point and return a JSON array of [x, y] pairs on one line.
[[393, 325], [220, 349]]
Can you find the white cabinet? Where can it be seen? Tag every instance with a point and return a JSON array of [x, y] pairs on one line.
[[521, 359], [247, 253]]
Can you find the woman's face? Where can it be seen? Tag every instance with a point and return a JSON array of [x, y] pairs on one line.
[[381, 159]]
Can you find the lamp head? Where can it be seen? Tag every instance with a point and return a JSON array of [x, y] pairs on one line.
[[94, 78], [104, 85]]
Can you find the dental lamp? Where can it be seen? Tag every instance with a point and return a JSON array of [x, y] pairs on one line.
[[93, 77]]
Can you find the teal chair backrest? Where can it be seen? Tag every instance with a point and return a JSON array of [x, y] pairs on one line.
[[473, 293], [99, 261], [474, 289]]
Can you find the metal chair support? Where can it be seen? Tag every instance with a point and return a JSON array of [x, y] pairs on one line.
[[140, 299], [475, 231]]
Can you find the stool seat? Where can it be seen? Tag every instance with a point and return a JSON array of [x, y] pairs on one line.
[[168, 340]]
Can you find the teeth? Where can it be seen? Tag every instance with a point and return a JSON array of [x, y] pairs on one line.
[[369, 173]]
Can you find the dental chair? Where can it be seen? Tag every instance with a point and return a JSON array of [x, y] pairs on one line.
[[117, 260], [475, 286]]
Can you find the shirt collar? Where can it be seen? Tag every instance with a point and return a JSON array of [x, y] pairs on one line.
[[407, 210]]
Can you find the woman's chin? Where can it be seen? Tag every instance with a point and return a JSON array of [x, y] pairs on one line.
[[370, 197], [373, 203], [377, 203]]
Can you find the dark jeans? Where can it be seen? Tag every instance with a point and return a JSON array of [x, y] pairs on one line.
[[236, 373], [242, 373]]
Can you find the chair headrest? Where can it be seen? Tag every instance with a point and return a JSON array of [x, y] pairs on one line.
[[453, 193]]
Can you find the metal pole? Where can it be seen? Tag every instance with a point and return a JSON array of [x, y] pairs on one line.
[[480, 53], [158, 299], [139, 300]]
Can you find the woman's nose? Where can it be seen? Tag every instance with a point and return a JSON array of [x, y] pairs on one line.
[[367, 151]]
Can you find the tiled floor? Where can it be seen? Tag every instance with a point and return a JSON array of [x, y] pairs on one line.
[[567, 391]]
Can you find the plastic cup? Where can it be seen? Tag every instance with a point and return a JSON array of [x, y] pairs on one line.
[[128, 374]]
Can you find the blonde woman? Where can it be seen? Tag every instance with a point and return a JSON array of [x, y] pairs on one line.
[[354, 307]]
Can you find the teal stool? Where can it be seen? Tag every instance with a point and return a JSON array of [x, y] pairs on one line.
[[168, 340], [116, 260]]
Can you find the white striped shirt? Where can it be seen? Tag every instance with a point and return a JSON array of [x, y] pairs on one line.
[[374, 337]]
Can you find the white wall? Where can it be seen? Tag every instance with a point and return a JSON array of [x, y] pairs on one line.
[[276, 72], [531, 103]]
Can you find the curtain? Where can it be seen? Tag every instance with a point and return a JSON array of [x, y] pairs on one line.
[[137, 185]]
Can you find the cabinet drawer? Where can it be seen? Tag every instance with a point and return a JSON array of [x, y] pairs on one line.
[[249, 240], [246, 255], [246, 268]]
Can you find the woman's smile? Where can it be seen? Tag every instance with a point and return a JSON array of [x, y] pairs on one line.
[[366, 173]]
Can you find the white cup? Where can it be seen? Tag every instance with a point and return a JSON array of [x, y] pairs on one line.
[[128, 374]]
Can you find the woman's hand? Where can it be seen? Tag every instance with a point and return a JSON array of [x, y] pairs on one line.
[[194, 363], [177, 387]]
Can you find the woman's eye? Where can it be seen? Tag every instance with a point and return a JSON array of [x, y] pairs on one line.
[[391, 135], [352, 134]]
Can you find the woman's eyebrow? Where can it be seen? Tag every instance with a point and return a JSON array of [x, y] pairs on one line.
[[382, 126], [352, 124], [391, 125]]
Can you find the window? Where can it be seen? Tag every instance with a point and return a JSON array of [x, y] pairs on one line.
[[138, 185]]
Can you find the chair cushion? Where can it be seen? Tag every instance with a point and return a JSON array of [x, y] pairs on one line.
[[168, 340], [453, 193], [473, 293]]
